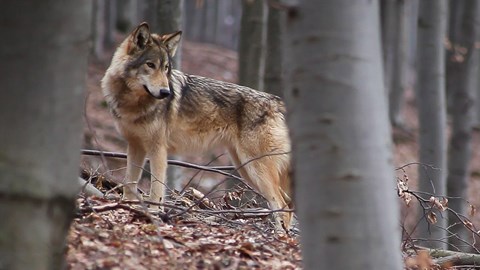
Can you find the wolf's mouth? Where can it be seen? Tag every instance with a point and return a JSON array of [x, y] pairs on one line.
[[148, 91], [163, 93]]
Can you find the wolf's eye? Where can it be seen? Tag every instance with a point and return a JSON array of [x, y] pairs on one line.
[[151, 65], [167, 66]]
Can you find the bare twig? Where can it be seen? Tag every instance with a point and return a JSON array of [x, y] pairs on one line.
[[216, 169]]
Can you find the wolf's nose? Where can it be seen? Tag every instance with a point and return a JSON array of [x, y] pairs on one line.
[[164, 93]]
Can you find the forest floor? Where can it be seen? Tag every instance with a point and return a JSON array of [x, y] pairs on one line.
[[197, 234]]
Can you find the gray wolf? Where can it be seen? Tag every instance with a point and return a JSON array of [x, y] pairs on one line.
[[160, 111]]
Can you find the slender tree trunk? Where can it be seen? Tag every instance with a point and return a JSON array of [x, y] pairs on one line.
[[103, 26], [432, 26], [274, 54], [389, 23], [111, 18], [462, 110], [100, 28], [147, 11], [453, 53], [43, 78], [345, 190], [169, 20], [412, 32], [124, 16], [252, 44], [400, 64]]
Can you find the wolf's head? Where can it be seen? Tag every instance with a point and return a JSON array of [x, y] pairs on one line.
[[149, 61]]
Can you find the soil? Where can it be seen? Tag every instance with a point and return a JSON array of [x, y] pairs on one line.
[[121, 237]]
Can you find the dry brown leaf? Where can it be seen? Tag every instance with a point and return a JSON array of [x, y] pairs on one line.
[[472, 210], [444, 202], [468, 224], [432, 218], [436, 203], [402, 189]]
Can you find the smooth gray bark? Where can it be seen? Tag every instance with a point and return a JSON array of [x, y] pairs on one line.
[[124, 16], [169, 20], [400, 63], [338, 120], [389, 22], [251, 46], [213, 21], [462, 113], [274, 55], [104, 26], [43, 78], [456, 9], [99, 28], [432, 27]]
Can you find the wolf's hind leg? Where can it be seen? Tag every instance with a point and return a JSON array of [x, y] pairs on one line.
[[158, 164], [135, 159], [264, 176], [269, 186]]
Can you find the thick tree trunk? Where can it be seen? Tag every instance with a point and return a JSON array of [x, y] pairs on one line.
[[462, 110], [43, 77], [252, 44], [169, 20], [274, 54], [432, 26], [345, 190]]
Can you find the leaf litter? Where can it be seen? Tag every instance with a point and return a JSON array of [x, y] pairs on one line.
[[115, 235]]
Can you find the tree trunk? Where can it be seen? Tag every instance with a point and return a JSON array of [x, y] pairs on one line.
[[274, 60], [111, 18], [147, 12], [432, 26], [462, 110], [43, 78], [345, 190], [456, 9], [252, 44], [99, 28], [400, 64], [389, 23], [124, 16], [169, 20]]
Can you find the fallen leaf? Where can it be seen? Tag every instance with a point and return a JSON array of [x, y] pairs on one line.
[[432, 218]]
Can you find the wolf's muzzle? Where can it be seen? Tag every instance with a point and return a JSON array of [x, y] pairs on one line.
[[158, 94]]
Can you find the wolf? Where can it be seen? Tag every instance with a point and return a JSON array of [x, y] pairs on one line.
[[160, 111]]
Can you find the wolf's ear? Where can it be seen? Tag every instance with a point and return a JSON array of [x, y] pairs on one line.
[[172, 41], [141, 35]]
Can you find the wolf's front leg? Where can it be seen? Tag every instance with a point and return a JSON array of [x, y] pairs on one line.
[[158, 165], [135, 159]]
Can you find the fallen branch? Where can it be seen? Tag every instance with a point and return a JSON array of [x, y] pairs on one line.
[[443, 257], [88, 152], [88, 188]]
